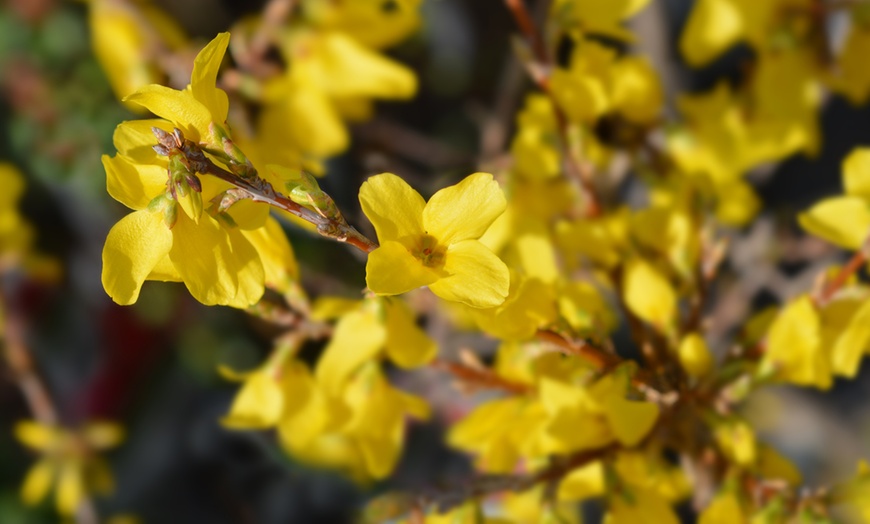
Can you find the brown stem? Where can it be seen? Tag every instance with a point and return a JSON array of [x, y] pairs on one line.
[[259, 190], [597, 357], [527, 25], [482, 377], [33, 388], [842, 277], [577, 170]]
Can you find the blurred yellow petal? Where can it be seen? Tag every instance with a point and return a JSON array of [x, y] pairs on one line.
[[70, 488], [713, 26], [583, 483], [328, 308], [392, 269], [406, 345], [640, 506], [258, 404], [852, 343], [724, 509], [393, 207], [476, 276], [856, 173], [36, 435], [348, 69], [844, 221], [134, 246], [648, 294], [358, 337], [695, 357], [38, 481], [103, 435], [465, 210], [794, 350]]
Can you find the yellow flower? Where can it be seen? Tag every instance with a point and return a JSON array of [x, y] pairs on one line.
[[69, 459], [794, 347], [371, 22], [435, 244], [222, 259], [126, 50], [599, 16], [845, 220], [374, 326]]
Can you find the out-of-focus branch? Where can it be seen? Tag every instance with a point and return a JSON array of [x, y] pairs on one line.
[[33, 388], [577, 169]]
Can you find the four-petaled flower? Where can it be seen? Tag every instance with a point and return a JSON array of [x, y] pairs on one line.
[[435, 244]]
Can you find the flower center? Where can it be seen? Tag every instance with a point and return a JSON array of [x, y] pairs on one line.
[[429, 252]]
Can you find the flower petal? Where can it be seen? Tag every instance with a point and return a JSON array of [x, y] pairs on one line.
[[103, 435], [258, 404], [392, 269], [219, 266], [134, 139], [133, 185], [843, 221], [393, 207], [406, 345], [464, 211], [37, 482], [134, 246], [35, 435], [856, 173], [357, 338], [179, 107], [70, 487], [203, 80], [279, 262], [477, 277]]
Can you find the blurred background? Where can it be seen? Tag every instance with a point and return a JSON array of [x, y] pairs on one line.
[[152, 366]]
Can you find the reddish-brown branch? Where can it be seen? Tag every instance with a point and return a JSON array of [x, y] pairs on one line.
[[481, 377], [33, 388], [851, 267], [527, 25], [599, 358]]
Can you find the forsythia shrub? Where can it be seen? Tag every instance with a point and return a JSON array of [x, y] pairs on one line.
[[546, 256]]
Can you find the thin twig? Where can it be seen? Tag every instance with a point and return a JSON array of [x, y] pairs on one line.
[[481, 378], [577, 169]]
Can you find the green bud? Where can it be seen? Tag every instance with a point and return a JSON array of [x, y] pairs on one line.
[[170, 213]]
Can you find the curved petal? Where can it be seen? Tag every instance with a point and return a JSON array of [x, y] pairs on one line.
[[464, 211], [134, 139], [164, 271], [391, 269], [345, 68], [35, 435], [407, 345], [179, 107], [218, 266], [393, 207], [279, 262], [70, 487], [203, 80], [134, 246], [856, 173], [358, 337], [37, 482], [133, 185], [843, 221], [477, 278]]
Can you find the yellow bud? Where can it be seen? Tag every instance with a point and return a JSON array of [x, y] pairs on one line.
[[695, 356]]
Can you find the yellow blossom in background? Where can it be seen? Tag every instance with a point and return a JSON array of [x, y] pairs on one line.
[[794, 351], [598, 16], [69, 461], [128, 41], [370, 22], [844, 220], [435, 244], [221, 260]]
